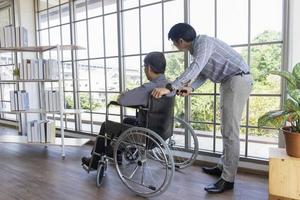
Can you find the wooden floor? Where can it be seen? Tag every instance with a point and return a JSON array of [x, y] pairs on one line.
[[29, 172]]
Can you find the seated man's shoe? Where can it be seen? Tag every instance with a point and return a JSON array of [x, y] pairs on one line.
[[212, 171], [220, 186], [85, 161]]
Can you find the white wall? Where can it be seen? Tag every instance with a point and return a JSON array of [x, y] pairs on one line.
[[294, 33]]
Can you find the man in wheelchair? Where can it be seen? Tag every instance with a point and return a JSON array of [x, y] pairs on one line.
[[154, 68]]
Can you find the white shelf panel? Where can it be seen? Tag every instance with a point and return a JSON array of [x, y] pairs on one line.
[[21, 81], [39, 48], [66, 111], [23, 140]]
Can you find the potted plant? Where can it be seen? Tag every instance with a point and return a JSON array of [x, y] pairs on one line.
[[288, 119], [16, 73]]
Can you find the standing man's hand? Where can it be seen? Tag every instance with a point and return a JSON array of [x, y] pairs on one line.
[[184, 91], [159, 92]]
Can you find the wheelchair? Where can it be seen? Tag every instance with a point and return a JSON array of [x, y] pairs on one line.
[[146, 157]]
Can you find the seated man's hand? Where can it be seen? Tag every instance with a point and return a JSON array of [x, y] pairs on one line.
[[184, 91], [159, 92]]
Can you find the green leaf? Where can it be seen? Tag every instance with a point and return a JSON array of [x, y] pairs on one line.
[[296, 71], [287, 76], [295, 94], [291, 105], [273, 119]]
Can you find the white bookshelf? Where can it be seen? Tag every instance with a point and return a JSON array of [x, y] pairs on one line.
[[62, 141], [23, 140]]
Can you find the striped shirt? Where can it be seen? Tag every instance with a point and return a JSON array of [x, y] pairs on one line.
[[213, 60]]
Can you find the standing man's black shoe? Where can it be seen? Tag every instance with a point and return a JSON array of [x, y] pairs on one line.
[[212, 171], [220, 186]]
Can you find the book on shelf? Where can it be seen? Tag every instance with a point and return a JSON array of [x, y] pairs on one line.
[[41, 131], [19, 100], [52, 103], [22, 36], [38, 69], [11, 36]]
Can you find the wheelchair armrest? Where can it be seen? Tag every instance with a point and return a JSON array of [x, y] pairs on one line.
[[114, 103]]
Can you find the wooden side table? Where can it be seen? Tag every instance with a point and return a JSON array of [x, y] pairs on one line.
[[284, 175]]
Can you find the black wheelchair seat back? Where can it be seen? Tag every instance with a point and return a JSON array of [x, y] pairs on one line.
[[160, 116]]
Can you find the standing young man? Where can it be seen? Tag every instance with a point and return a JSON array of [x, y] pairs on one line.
[[218, 62]]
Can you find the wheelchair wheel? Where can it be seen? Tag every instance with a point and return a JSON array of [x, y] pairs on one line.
[[139, 170], [100, 173], [183, 144]]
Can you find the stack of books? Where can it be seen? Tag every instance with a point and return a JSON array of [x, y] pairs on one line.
[[19, 100], [41, 131], [52, 101], [39, 69], [8, 39]]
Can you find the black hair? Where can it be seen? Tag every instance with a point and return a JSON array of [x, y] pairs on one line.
[[157, 62], [182, 30]]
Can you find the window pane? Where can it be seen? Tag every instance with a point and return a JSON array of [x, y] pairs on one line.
[[130, 3], [80, 10], [144, 2], [204, 134], [65, 13], [67, 69], [259, 142], [69, 85], [54, 40], [131, 32], [151, 32], [52, 3], [202, 16], [111, 35], [86, 122], [233, 21], [54, 35], [113, 109], [260, 105], [97, 75], [83, 74], [110, 6], [132, 72], [112, 74], [44, 39], [94, 7], [69, 100], [265, 58], [175, 65], [98, 103], [81, 39], [66, 40], [269, 24], [42, 4], [84, 99], [202, 109], [54, 16], [243, 51], [95, 37], [43, 20], [96, 123], [207, 87], [171, 18]]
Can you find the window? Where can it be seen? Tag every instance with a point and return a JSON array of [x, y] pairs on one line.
[[117, 37]]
